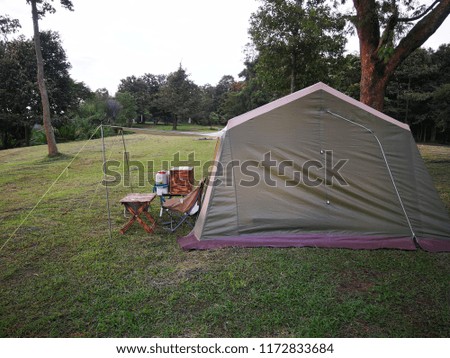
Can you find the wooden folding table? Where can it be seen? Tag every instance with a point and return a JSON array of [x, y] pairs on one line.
[[138, 204]]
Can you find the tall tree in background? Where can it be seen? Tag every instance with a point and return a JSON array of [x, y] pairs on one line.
[[297, 42], [20, 103], [179, 96], [145, 91], [389, 31], [7, 118], [128, 108], [37, 13]]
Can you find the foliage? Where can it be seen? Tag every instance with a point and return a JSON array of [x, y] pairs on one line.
[[38, 137], [345, 76], [20, 106], [248, 94], [419, 94], [64, 93], [38, 9], [297, 43], [94, 109], [77, 128], [293, 44], [47, 7], [128, 108], [441, 111], [8, 26], [145, 91], [207, 105], [389, 32], [179, 96]]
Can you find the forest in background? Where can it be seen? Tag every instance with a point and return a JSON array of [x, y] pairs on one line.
[[291, 47]]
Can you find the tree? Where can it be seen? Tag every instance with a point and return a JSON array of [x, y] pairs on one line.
[[441, 111], [7, 118], [206, 105], [20, 101], [179, 96], [138, 89], [113, 107], [37, 13], [96, 108], [128, 108], [297, 41], [389, 31], [145, 91], [419, 94]]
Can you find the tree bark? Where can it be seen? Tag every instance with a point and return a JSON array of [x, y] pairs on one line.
[[373, 84], [51, 142], [378, 67], [175, 123], [5, 140], [27, 132]]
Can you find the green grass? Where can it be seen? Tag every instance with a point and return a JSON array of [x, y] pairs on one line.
[[61, 276]]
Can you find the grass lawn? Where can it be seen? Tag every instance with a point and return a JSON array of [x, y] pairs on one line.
[[61, 276]]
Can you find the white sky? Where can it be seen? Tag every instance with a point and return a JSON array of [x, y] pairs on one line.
[[108, 40]]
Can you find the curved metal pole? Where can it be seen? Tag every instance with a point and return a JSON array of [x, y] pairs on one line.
[[387, 166]]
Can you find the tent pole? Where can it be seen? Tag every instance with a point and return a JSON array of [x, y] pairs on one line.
[[106, 182], [127, 159], [402, 206]]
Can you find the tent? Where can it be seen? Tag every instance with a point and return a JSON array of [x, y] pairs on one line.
[[318, 168]]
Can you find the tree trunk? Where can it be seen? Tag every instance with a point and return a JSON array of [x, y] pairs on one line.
[[51, 142], [27, 132], [373, 84], [5, 141], [433, 133], [379, 58], [175, 123]]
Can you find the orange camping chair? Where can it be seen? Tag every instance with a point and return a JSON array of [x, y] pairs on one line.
[[183, 209]]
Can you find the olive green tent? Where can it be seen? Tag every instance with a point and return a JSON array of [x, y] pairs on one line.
[[318, 168]]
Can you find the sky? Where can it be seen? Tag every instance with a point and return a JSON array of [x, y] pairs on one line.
[[109, 40]]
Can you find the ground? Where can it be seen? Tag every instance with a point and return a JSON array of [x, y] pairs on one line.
[[61, 275]]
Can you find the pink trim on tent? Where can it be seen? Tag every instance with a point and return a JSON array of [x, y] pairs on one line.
[[190, 242], [304, 92], [434, 245]]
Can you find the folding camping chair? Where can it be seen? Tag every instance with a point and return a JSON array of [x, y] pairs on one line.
[[183, 209]]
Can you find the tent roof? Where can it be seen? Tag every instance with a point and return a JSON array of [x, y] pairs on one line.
[[304, 92]]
